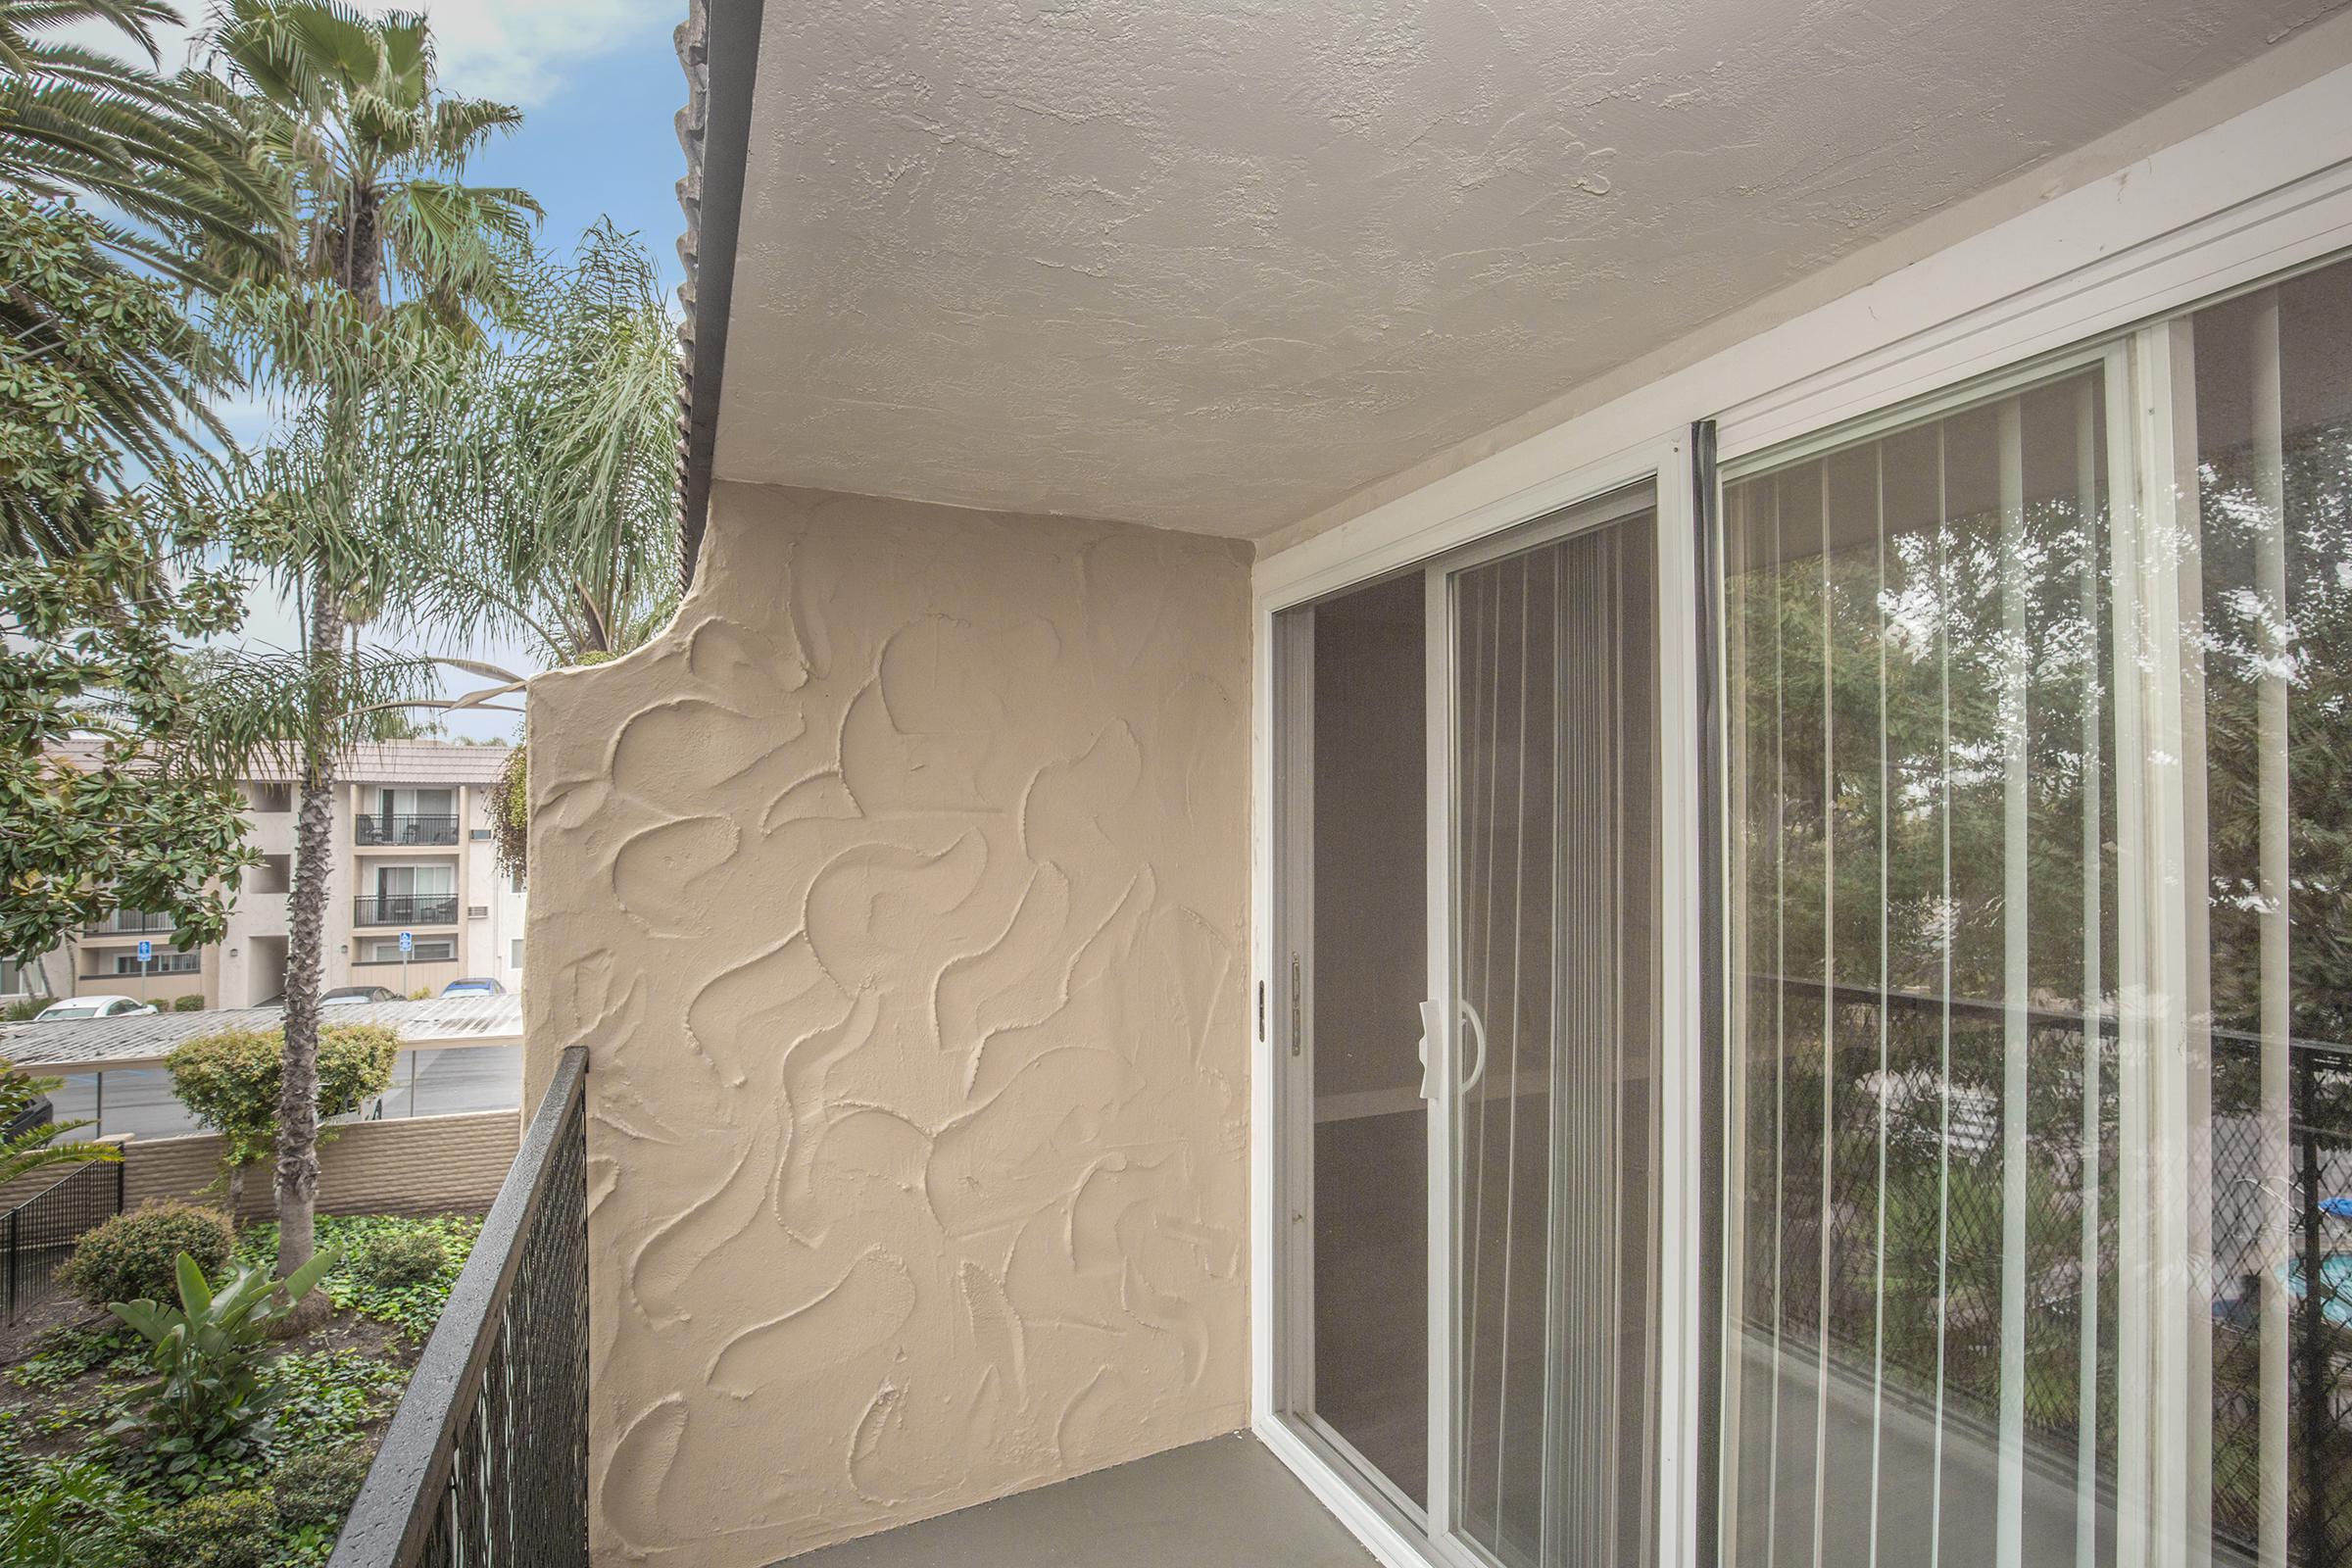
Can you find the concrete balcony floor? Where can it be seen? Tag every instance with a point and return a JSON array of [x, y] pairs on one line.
[[1223, 1503]]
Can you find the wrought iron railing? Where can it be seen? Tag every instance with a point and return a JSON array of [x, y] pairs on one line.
[[130, 922], [486, 1460], [39, 1233], [405, 908], [406, 828]]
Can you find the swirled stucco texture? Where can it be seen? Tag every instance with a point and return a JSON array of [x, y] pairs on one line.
[[897, 891]]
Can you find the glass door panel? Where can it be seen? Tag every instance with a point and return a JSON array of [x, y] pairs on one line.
[[1355, 968], [1554, 1212]]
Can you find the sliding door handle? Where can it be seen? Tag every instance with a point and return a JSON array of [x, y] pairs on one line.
[[1477, 1035]]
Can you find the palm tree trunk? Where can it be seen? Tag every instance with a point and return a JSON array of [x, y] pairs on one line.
[[306, 919]]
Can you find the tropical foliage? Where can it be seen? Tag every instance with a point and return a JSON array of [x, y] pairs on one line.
[[209, 1394], [33, 1148], [100, 583]]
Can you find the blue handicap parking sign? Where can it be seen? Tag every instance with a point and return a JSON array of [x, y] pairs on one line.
[[406, 942], [146, 950]]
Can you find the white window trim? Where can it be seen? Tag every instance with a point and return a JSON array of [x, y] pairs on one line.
[[2262, 194]]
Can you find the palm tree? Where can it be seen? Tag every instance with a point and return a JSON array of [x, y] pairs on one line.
[[154, 148], [146, 161], [388, 260]]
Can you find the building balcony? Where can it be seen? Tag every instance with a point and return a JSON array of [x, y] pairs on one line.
[[130, 923], [403, 829], [405, 908]]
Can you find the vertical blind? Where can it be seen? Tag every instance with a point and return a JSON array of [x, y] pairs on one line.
[[1555, 724], [2039, 1221], [1921, 1356]]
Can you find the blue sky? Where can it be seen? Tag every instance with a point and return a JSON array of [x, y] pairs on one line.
[[599, 84]]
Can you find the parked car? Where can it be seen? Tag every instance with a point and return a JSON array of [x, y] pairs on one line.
[[95, 1007], [474, 987], [39, 1112], [352, 994]]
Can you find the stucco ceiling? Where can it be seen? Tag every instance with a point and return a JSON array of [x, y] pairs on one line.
[[1214, 263]]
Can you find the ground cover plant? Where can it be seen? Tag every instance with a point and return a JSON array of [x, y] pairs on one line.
[[90, 1469]]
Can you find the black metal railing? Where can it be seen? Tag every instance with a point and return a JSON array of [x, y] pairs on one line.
[[1940, 1064], [129, 922], [40, 1232], [486, 1460], [405, 908], [406, 828]]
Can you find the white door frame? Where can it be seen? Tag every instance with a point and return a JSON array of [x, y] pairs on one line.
[[1281, 1322]]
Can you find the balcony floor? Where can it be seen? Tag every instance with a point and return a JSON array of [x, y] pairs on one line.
[[1223, 1503]]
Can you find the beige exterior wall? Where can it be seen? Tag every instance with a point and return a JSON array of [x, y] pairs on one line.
[[421, 1165], [897, 891]]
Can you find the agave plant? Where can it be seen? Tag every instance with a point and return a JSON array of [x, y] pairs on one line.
[[211, 1394]]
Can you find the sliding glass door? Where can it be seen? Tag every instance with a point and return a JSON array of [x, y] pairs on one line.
[[2040, 1240], [1467, 985], [1554, 882]]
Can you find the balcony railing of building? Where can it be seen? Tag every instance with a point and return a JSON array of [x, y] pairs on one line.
[[405, 828], [405, 908], [130, 923], [486, 1460], [1938, 1058]]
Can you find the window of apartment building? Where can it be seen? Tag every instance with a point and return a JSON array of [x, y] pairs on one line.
[[164, 961], [394, 814], [427, 950], [14, 975], [2040, 1132], [514, 958]]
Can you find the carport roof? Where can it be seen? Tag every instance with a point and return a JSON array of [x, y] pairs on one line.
[[86, 1044]]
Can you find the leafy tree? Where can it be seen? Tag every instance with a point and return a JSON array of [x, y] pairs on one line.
[[33, 1149], [232, 1082], [99, 585], [388, 263]]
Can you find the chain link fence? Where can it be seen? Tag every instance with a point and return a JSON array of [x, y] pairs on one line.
[[1906, 1254]]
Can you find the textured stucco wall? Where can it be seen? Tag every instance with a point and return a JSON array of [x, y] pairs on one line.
[[898, 892]]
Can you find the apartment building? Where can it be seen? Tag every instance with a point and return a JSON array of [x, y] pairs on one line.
[[412, 853]]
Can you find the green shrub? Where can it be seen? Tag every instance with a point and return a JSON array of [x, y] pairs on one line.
[[62, 1516], [187, 1005], [211, 1395], [317, 1489], [223, 1529], [229, 1080], [134, 1256], [401, 1259], [24, 1011]]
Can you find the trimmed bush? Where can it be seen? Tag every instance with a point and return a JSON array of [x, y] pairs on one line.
[[24, 1010], [222, 1530], [228, 1081], [134, 1256], [317, 1489], [401, 1259], [188, 1005]]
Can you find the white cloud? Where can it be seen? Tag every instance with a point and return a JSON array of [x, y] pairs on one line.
[[516, 51]]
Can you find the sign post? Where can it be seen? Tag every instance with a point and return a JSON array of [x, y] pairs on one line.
[[146, 953], [408, 945]]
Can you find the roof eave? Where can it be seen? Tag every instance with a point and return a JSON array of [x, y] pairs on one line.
[[718, 46]]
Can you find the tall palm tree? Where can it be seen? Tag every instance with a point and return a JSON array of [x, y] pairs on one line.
[[387, 259]]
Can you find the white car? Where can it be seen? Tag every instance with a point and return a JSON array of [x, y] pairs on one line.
[[95, 1007]]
